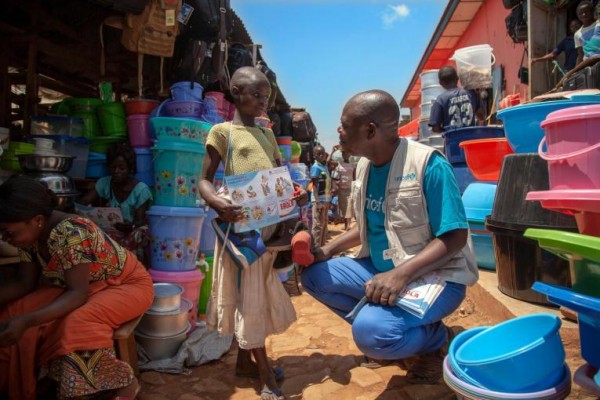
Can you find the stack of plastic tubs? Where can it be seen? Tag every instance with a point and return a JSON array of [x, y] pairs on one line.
[[138, 129]]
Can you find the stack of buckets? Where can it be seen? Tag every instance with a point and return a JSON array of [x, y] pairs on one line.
[[572, 138], [138, 115], [430, 90], [175, 221]]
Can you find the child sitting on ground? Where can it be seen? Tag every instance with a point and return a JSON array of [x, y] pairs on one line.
[[260, 306]]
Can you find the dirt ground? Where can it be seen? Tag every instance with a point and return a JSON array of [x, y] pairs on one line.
[[321, 362]]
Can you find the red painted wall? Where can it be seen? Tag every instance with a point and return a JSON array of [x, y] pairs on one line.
[[488, 27]]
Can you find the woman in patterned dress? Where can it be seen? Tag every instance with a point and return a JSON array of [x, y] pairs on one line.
[[75, 287]]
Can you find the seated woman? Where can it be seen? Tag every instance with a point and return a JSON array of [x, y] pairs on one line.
[[75, 287], [122, 190]]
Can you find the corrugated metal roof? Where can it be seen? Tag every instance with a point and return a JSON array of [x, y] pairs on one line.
[[454, 22]]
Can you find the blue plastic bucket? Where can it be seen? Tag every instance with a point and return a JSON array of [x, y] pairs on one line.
[[177, 168], [454, 153], [463, 176], [186, 90], [144, 166], [286, 151], [175, 237], [97, 166], [483, 245], [208, 237]]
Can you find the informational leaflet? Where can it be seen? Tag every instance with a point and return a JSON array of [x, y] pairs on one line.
[[265, 197], [104, 217]]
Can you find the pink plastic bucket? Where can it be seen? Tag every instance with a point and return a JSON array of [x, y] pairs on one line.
[[139, 133], [189, 280], [573, 141], [218, 97]]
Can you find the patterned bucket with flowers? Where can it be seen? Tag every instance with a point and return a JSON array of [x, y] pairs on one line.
[[174, 237], [177, 168], [184, 130]]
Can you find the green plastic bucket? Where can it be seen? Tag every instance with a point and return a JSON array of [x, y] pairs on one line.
[[112, 119], [82, 104], [102, 144], [206, 286], [91, 125]]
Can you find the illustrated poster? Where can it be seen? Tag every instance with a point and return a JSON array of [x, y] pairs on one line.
[[104, 217], [265, 197]]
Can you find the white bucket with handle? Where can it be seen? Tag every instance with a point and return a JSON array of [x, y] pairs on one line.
[[474, 66]]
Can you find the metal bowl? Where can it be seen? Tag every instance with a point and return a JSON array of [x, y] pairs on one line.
[[66, 201], [45, 163], [58, 183], [160, 348], [163, 324], [167, 297]]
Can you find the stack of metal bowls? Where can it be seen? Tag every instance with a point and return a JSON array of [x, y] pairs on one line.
[[165, 325], [50, 169]]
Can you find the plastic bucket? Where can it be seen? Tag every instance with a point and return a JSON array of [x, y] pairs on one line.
[[426, 111], [97, 166], [182, 108], [430, 93], [206, 287], [424, 129], [463, 176], [520, 262], [139, 133], [101, 144], [478, 200], [177, 167], [185, 130], [186, 90], [474, 66], [175, 237], [81, 104], [522, 123], [286, 151], [112, 119], [144, 166], [140, 106], [454, 153], [484, 157], [430, 78], [208, 238], [573, 142], [191, 281], [91, 125]]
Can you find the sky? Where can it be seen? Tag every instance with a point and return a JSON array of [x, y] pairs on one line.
[[325, 51]]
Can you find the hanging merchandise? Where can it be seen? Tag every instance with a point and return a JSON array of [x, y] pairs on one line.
[[238, 56], [202, 19], [516, 23], [303, 128]]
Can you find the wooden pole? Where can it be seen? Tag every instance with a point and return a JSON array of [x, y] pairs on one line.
[[4, 87], [31, 91]]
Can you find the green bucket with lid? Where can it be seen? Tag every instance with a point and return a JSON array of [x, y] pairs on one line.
[[112, 119]]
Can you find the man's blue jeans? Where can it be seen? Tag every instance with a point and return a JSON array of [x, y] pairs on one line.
[[381, 332]]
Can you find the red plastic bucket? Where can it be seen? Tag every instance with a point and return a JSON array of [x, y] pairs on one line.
[[189, 280], [484, 157], [573, 141], [139, 133]]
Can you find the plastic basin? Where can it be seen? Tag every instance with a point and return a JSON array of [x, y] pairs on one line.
[[582, 252], [485, 156], [454, 153], [140, 106], [186, 90], [180, 129], [182, 108], [522, 122], [583, 204], [463, 175], [519, 355], [478, 200], [465, 390], [102, 144], [588, 314], [458, 341], [586, 376]]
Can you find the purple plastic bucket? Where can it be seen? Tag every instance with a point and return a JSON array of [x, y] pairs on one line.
[[139, 133], [183, 108]]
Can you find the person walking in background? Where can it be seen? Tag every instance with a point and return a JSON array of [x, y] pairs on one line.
[[566, 46], [250, 303], [321, 196], [343, 176], [456, 107]]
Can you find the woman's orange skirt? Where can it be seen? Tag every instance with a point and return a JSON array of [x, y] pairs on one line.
[[110, 303]]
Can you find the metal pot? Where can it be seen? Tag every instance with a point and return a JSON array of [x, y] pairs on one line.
[[45, 163], [66, 201], [160, 348], [163, 324], [58, 183], [436, 140], [167, 297]]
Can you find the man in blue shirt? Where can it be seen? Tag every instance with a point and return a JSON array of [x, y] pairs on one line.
[[321, 196], [410, 223], [567, 46], [456, 107]]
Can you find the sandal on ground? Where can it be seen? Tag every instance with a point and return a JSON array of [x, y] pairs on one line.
[[277, 371], [268, 394], [373, 363]]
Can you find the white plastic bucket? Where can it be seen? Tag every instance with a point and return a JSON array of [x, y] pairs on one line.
[[430, 78], [474, 65], [425, 110]]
